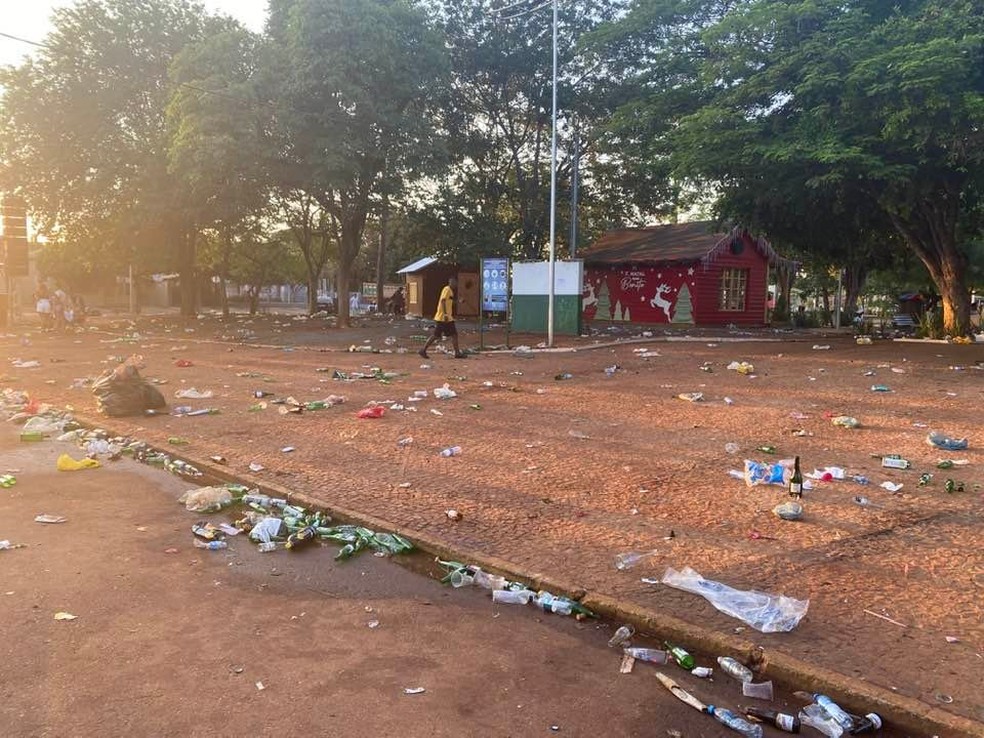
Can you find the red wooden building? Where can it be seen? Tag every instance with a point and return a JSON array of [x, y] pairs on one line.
[[678, 274]]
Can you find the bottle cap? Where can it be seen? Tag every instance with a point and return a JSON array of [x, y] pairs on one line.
[[875, 720]]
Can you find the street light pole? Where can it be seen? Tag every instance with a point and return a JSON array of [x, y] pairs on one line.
[[553, 190]]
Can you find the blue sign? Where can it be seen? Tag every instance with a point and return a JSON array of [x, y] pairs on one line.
[[495, 285]]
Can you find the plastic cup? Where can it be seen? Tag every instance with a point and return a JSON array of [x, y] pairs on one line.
[[758, 691]]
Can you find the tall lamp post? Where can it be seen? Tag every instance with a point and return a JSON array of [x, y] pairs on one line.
[[552, 269], [553, 189]]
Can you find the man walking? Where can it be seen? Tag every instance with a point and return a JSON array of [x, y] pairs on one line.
[[444, 320]]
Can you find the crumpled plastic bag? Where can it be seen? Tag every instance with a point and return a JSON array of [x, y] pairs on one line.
[[41, 424], [945, 442], [267, 529], [778, 473], [123, 392], [445, 392], [206, 499], [765, 612], [67, 463]]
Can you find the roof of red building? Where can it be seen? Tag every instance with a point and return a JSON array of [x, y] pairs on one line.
[[678, 242]]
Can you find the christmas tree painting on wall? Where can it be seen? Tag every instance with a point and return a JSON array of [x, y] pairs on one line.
[[604, 309], [683, 310]]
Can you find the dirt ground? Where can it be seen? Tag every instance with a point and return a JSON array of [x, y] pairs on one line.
[[174, 644], [652, 472]]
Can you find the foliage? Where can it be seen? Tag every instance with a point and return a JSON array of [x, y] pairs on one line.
[[357, 85], [877, 105], [83, 135]]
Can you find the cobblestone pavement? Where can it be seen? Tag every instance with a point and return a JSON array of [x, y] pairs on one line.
[[562, 475]]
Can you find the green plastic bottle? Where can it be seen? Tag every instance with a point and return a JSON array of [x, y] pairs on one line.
[[683, 659], [32, 436]]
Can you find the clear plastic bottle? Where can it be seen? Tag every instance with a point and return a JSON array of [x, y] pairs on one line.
[[267, 546], [621, 636], [820, 720], [489, 581], [735, 669], [840, 716], [736, 723], [210, 545], [511, 597], [451, 451], [652, 655], [625, 561]]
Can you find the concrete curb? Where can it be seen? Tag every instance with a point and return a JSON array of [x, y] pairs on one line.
[[906, 713]]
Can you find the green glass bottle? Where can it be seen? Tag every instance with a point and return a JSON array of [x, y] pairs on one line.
[[32, 436], [683, 659]]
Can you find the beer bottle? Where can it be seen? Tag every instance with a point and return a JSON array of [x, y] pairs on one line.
[[788, 723], [683, 659]]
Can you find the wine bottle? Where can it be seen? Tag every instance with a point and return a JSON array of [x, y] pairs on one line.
[[796, 481]]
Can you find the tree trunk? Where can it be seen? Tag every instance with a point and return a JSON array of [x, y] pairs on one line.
[[854, 280], [381, 256], [931, 232], [186, 269], [312, 292], [224, 297], [956, 299], [342, 278], [254, 299]]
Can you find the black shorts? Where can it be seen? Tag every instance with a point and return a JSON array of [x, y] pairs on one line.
[[445, 328]]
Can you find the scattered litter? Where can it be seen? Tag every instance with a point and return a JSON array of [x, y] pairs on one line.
[[287, 450], [207, 499], [758, 690], [891, 486], [65, 616], [818, 347], [255, 466], [193, 394], [886, 618], [845, 421], [444, 393], [742, 367], [628, 662], [7, 480], [579, 434], [777, 473], [880, 388], [952, 639], [940, 440], [413, 690], [6, 545], [454, 516], [788, 511], [50, 519], [692, 396], [765, 612], [624, 561], [621, 636], [122, 391], [260, 686], [894, 461]]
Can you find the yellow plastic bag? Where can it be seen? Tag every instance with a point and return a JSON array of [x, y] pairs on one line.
[[67, 463]]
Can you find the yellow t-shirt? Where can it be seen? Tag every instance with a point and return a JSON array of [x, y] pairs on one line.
[[445, 306]]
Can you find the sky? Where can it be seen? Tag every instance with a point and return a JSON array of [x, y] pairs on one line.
[[30, 19]]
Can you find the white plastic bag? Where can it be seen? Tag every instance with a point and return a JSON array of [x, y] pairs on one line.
[[765, 612], [206, 499], [268, 529], [39, 424]]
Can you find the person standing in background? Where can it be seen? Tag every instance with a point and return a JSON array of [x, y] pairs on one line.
[[444, 320]]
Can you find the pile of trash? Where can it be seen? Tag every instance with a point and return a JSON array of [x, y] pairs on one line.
[[274, 523], [123, 392], [510, 592]]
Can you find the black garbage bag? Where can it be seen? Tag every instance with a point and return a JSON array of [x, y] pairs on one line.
[[124, 392]]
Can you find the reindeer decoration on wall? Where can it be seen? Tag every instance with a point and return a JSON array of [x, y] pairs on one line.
[[659, 302]]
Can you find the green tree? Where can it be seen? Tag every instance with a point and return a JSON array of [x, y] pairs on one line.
[[83, 134], [357, 85], [495, 198], [882, 99], [217, 144]]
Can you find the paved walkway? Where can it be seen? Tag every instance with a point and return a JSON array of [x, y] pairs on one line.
[[651, 474]]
